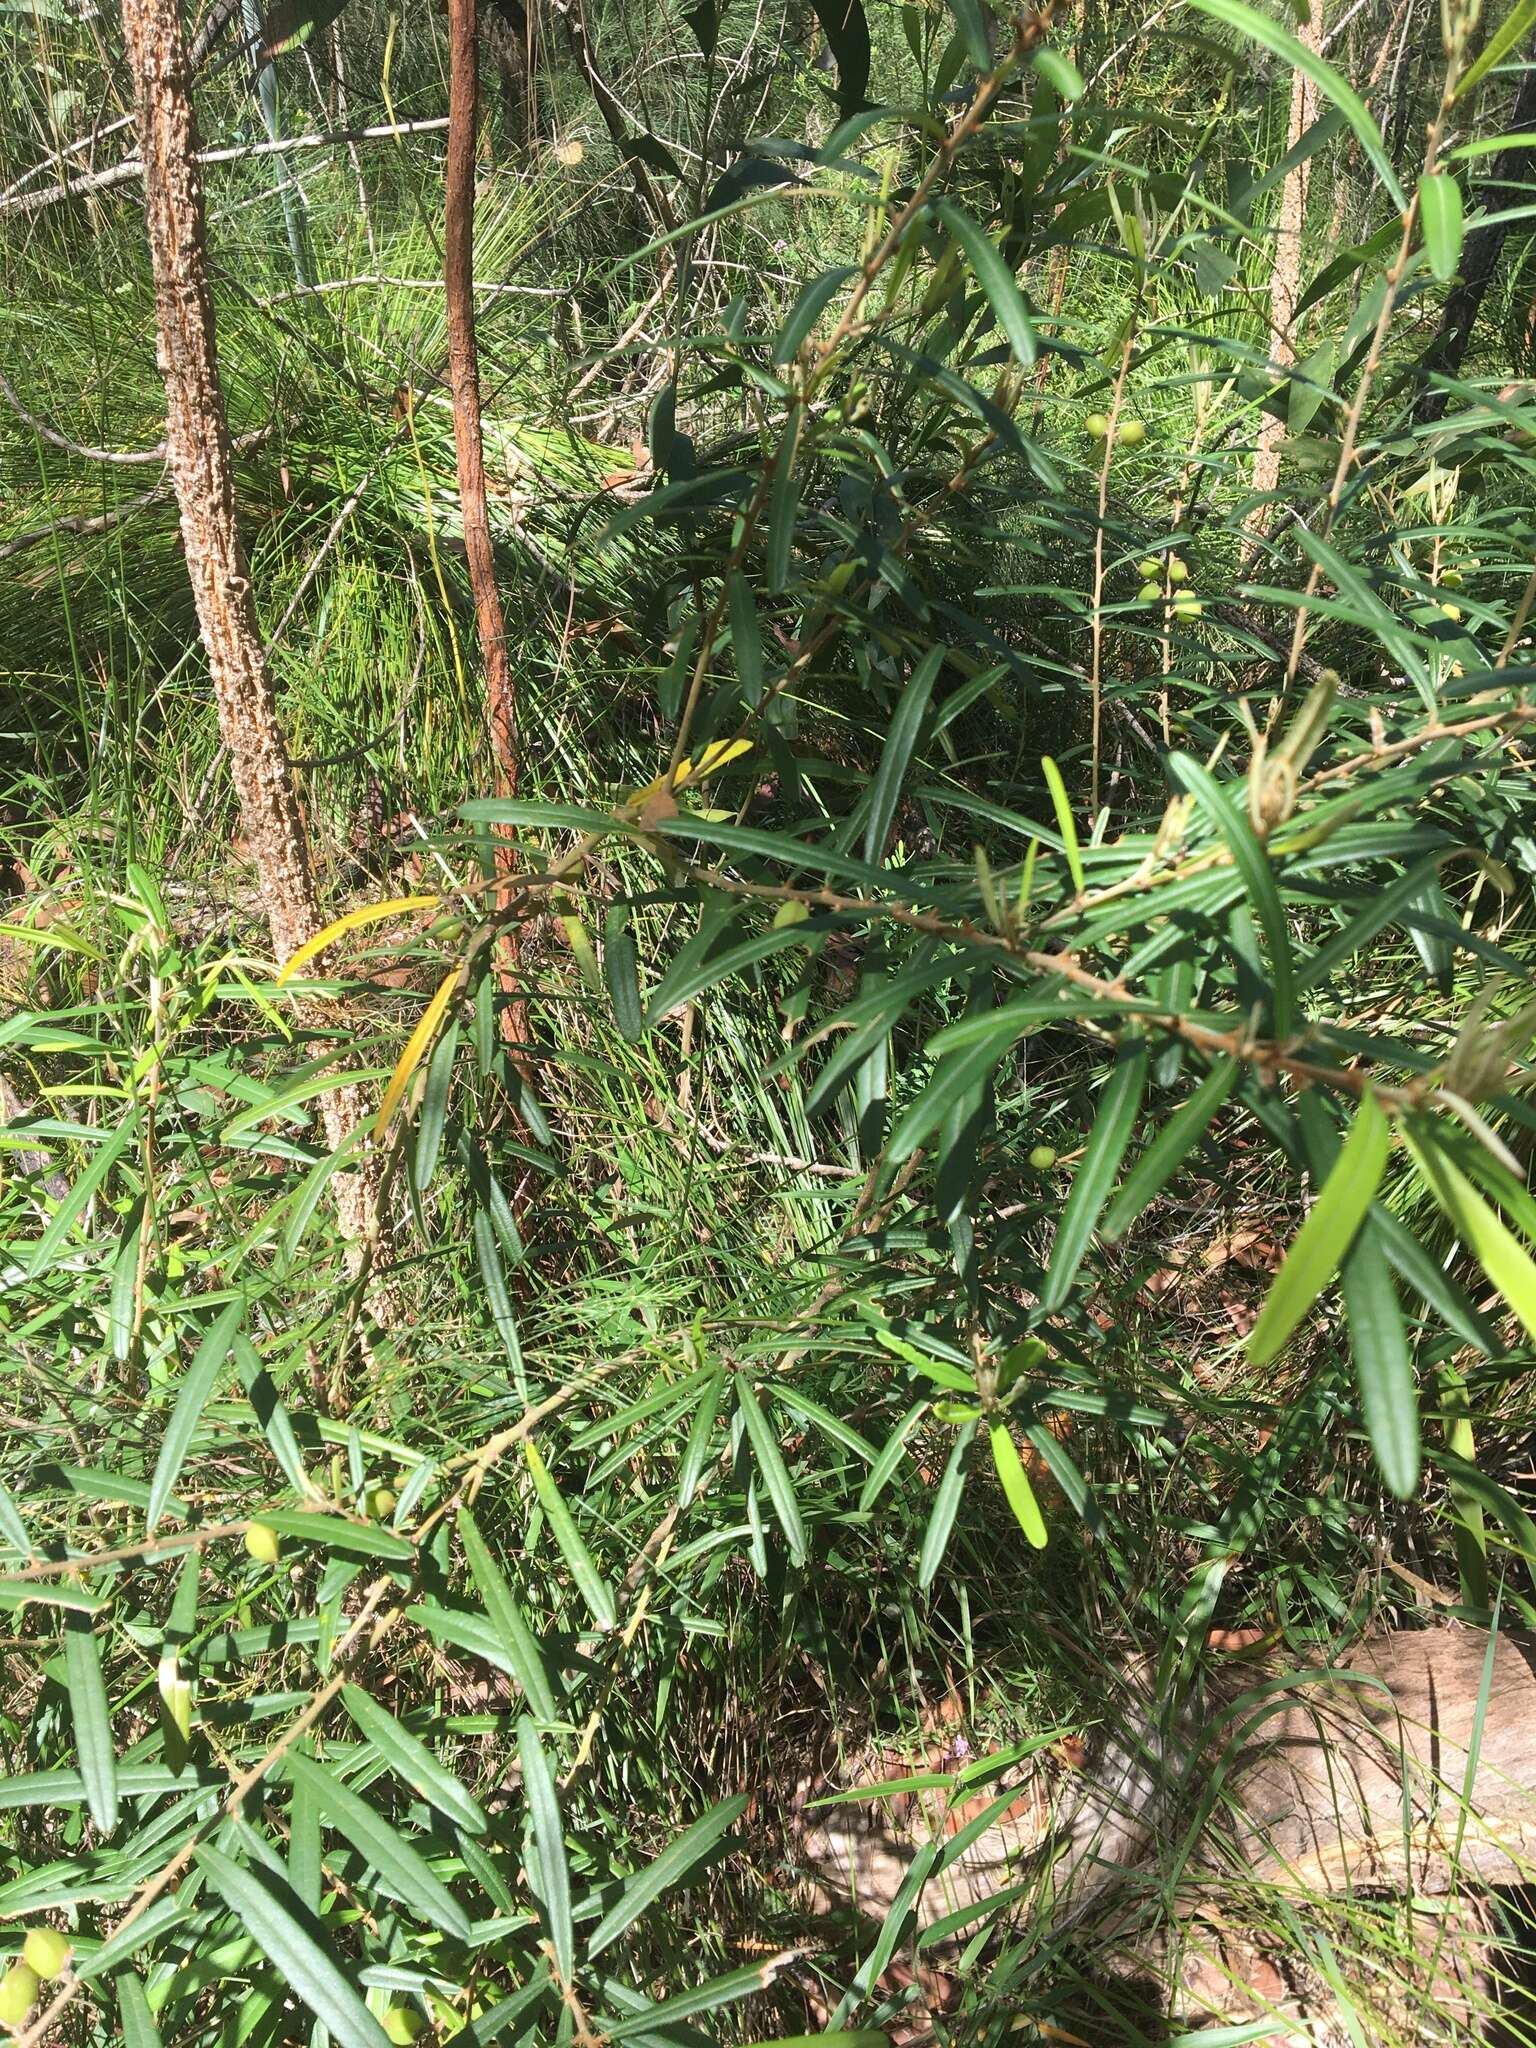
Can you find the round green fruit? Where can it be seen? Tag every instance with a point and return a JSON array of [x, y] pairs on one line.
[[1149, 593], [1451, 578], [47, 1951], [1149, 568], [404, 2024], [1096, 426], [381, 1503], [1187, 608], [1042, 1157], [1131, 433], [18, 1990], [263, 1543], [1178, 570]]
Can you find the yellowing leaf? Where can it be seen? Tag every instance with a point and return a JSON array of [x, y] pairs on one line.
[[367, 913], [1328, 1232], [415, 1051], [1015, 1482], [1492, 1243]]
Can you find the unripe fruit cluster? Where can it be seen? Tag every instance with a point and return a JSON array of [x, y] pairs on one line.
[[1129, 433]]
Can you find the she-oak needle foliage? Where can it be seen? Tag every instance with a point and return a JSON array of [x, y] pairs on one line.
[[1024, 945]]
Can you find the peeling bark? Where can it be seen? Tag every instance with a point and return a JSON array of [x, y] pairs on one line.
[[200, 463], [1285, 279]]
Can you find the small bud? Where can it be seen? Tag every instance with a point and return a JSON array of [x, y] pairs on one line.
[[263, 1543], [47, 1952], [380, 1502]]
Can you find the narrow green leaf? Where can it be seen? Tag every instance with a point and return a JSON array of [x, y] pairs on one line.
[[493, 1274], [669, 1868], [1119, 1106], [411, 1760], [1389, 1400], [549, 1837], [621, 973], [896, 755], [403, 1871], [1060, 74], [92, 1719], [1511, 31], [300, 1960], [64, 1217], [1066, 825], [770, 1462], [1327, 1233], [594, 1589], [994, 277], [700, 1430], [955, 1076], [1503, 1258], [891, 1454], [1440, 219], [1169, 1149], [946, 1505], [807, 310], [1258, 878], [783, 505], [333, 1533], [1015, 1484], [136, 2023], [12, 1527], [432, 1118], [524, 1652], [1259, 28], [197, 1386], [746, 637]]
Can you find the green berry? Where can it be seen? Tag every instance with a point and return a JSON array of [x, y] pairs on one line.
[[1187, 608], [1149, 568], [404, 2024], [1451, 611], [1149, 593], [380, 1503], [47, 1952], [263, 1543], [1042, 1157], [18, 1990], [1178, 570], [1451, 578], [1131, 433], [1096, 426]]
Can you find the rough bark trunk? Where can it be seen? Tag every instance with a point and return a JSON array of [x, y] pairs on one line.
[[201, 466], [1285, 281]]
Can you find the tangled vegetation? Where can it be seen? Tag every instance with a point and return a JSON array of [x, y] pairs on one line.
[[941, 1105]]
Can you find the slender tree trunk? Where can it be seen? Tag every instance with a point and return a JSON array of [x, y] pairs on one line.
[[1285, 282], [200, 461], [469, 447]]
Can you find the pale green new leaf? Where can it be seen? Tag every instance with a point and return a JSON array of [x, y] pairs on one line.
[[1440, 219], [1503, 1258], [197, 1386], [1016, 1486], [1328, 1232]]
